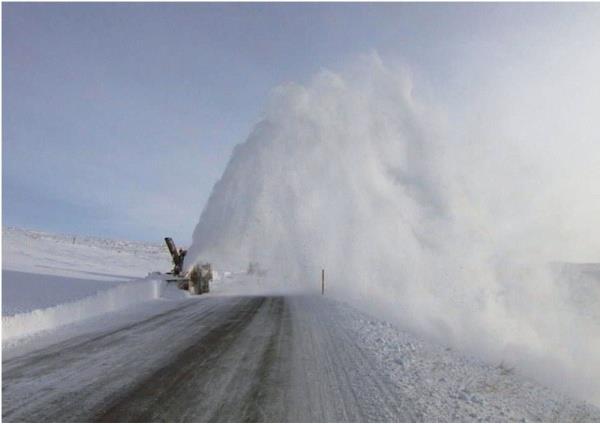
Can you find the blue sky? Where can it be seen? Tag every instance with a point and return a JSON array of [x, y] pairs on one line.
[[119, 118]]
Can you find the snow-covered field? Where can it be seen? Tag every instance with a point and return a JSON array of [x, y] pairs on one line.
[[54, 289], [40, 270], [51, 280]]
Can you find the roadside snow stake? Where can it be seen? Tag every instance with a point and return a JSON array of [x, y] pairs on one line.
[[323, 281]]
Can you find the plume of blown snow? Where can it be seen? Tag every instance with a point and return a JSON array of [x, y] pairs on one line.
[[444, 221]]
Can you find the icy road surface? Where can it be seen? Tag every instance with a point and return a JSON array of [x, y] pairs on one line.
[[260, 358], [216, 359]]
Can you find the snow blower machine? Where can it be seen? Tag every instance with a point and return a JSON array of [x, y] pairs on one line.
[[197, 280]]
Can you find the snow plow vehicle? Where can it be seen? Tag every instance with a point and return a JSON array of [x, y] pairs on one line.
[[196, 280]]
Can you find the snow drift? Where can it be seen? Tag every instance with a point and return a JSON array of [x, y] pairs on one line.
[[110, 300], [441, 215]]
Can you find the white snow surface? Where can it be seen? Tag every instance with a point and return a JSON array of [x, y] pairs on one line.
[[441, 383], [51, 280], [77, 256], [445, 385], [41, 270]]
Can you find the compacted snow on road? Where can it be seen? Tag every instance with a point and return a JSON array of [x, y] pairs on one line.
[[264, 358], [230, 356]]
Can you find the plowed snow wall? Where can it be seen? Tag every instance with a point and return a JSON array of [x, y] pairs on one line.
[[114, 299]]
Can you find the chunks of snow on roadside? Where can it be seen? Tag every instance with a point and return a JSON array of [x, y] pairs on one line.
[[448, 386]]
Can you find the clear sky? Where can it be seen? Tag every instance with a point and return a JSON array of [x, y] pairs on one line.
[[119, 118]]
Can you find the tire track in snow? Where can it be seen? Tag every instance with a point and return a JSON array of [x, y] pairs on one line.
[[218, 359]]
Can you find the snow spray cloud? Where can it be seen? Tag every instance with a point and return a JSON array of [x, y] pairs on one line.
[[440, 222]]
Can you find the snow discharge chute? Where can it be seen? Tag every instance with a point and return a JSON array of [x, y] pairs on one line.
[[421, 216]]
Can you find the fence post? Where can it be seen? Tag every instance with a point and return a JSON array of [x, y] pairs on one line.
[[323, 281]]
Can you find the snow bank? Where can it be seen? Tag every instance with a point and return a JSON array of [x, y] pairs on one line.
[[25, 292], [114, 299], [41, 270], [445, 386], [443, 221]]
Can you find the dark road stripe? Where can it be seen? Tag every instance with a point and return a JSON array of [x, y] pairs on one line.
[[166, 386]]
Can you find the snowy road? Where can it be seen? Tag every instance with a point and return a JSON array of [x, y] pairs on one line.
[[212, 359]]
